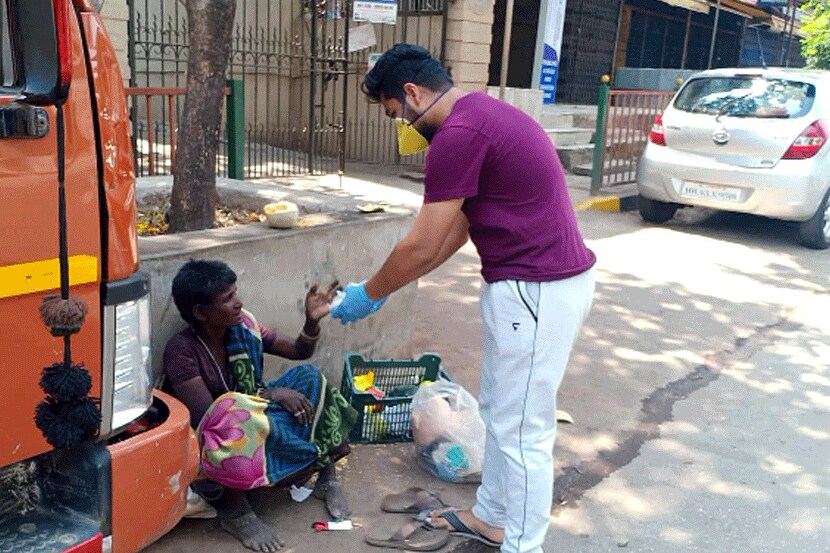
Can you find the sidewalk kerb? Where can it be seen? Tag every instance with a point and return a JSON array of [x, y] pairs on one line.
[[609, 203]]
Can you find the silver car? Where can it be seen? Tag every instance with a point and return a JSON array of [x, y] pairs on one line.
[[745, 140]]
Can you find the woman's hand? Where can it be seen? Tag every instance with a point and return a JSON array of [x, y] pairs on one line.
[[318, 302], [294, 402]]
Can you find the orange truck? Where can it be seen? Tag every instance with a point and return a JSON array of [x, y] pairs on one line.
[[126, 486]]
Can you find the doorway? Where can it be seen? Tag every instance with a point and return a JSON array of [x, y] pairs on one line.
[[522, 43]]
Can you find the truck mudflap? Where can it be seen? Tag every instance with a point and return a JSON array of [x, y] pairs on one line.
[[151, 472]]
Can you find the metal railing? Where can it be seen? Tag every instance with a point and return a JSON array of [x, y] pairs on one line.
[[155, 138], [624, 121], [304, 111]]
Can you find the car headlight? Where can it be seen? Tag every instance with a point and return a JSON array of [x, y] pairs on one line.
[[132, 380]]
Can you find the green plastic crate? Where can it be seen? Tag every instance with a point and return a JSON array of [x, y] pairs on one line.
[[388, 419]]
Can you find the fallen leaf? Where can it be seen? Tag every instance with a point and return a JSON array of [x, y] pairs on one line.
[[371, 208], [152, 220]]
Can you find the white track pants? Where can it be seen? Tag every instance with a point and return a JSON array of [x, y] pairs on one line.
[[529, 331]]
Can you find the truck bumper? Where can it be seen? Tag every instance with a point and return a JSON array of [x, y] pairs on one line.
[[151, 473]]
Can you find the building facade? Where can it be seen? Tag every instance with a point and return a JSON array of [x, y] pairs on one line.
[[675, 36], [301, 62]]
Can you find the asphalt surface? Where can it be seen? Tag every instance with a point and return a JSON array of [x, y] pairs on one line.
[[700, 390]]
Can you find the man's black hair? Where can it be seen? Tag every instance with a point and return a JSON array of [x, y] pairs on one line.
[[198, 282], [401, 64]]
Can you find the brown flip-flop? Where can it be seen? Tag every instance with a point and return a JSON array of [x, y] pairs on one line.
[[412, 537], [458, 528], [413, 500]]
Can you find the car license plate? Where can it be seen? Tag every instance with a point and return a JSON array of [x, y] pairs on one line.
[[710, 192]]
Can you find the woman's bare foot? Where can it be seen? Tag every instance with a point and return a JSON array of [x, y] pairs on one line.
[[492, 533], [252, 532], [328, 489], [331, 491]]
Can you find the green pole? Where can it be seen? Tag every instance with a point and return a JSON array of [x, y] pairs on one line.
[[599, 135], [235, 128]]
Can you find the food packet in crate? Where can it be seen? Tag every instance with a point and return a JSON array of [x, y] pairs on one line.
[[448, 432]]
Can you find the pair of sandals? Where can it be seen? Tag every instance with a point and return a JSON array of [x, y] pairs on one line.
[[422, 534]]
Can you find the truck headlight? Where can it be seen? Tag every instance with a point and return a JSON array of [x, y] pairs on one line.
[[132, 380], [127, 379]]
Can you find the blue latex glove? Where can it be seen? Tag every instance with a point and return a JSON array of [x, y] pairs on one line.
[[356, 304]]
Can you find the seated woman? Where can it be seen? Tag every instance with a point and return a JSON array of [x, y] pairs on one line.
[[307, 421]]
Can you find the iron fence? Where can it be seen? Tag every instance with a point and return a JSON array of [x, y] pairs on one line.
[[623, 126], [154, 141], [304, 112]]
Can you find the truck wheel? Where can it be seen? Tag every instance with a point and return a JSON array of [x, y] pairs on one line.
[[815, 233], [655, 211]]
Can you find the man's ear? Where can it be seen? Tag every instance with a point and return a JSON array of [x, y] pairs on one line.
[[413, 93]]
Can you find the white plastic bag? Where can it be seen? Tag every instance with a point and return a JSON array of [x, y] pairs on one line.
[[448, 432]]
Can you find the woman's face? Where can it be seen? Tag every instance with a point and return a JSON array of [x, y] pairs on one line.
[[225, 309]]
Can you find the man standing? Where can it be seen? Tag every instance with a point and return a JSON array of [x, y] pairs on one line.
[[492, 175]]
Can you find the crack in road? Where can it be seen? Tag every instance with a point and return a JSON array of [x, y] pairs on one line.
[[657, 409]]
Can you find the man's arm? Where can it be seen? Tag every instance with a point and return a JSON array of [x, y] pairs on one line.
[[458, 236], [439, 231]]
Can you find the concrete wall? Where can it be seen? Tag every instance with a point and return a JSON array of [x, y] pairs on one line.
[[276, 268], [650, 79], [529, 100]]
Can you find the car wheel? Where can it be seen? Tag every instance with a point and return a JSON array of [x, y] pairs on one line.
[[815, 233], [655, 211]]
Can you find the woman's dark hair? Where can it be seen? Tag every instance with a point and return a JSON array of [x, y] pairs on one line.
[[401, 64], [198, 282]]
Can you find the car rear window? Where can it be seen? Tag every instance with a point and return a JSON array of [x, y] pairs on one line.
[[747, 96]]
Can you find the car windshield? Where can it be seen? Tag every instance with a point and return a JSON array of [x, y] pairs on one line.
[[747, 96]]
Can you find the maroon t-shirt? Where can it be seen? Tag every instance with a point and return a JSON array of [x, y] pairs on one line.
[[503, 164]]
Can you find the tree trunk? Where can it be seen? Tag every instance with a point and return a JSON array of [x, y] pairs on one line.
[[193, 201]]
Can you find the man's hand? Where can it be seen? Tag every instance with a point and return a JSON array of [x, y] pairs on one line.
[[294, 402], [356, 304]]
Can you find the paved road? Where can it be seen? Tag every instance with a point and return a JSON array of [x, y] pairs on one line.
[[700, 389], [721, 340]]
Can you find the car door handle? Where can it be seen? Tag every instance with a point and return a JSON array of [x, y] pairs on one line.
[[673, 127], [22, 121]]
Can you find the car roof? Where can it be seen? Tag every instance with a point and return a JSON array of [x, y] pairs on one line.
[[808, 75]]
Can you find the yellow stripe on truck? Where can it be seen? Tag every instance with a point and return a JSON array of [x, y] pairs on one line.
[[37, 276]]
